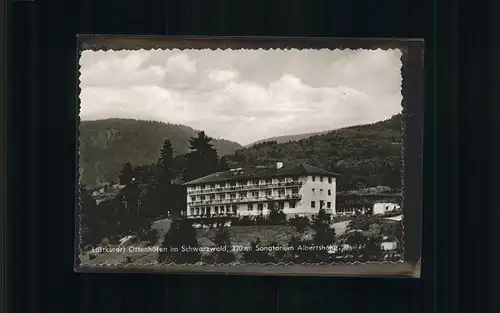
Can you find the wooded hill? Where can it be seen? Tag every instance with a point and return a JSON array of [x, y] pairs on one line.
[[105, 145], [365, 155]]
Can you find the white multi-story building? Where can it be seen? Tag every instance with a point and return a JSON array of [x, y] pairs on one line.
[[298, 190]]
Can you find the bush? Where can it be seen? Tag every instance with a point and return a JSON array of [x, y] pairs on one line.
[[181, 233], [276, 216], [300, 223], [222, 239], [244, 221]]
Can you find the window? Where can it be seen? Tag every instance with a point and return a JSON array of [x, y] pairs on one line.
[[197, 211], [328, 205], [268, 192], [329, 180], [260, 206], [313, 190], [314, 178], [202, 197], [269, 181], [228, 209], [204, 187], [207, 210], [242, 194], [329, 192], [313, 204], [321, 179], [193, 198], [222, 210], [192, 211], [281, 205], [216, 210], [255, 194], [256, 182], [222, 196], [250, 207], [235, 208], [233, 195], [292, 204], [281, 192], [212, 197], [321, 204], [321, 191], [295, 191]]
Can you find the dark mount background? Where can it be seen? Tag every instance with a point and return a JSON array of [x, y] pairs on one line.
[[43, 120]]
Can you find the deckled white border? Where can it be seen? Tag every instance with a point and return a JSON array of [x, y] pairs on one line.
[[157, 265]]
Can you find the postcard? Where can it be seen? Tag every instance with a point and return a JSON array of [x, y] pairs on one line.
[[290, 156]]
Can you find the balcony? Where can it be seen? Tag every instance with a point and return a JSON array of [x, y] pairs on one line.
[[227, 201], [246, 187]]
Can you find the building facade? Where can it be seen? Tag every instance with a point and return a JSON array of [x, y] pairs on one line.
[[353, 202], [299, 190], [384, 207]]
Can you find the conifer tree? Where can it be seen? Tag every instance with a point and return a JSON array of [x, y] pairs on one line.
[[203, 158], [91, 227], [222, 239], [164, 198], [276, 215], [223, 164], [126, 174], [324, 235], [180, 235], [166, 163]]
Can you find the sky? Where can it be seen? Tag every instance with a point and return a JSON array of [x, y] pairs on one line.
[[243, 95]]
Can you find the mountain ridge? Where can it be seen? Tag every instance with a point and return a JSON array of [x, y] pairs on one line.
[[364, 154], [287, 138], [106, 144]]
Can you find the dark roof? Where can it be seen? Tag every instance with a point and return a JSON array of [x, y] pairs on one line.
[[256, 172]]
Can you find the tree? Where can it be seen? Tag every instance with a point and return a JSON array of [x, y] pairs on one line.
[[91, 228], [301, 255], [126, 174], [108, 211], [300, 223], [166, 163], [324, 235], [364, 237], [276, 214], [164, 191], [203, 158], [223, 164], [132, 216], [222, 240], [372, 248], [181, 244]]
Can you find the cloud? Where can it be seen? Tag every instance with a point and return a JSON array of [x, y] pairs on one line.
[[244, 95], [222, 76]]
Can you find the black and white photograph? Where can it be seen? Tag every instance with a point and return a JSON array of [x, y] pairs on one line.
[[195, 157]]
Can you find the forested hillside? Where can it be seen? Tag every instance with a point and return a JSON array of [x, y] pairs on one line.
[[108, 144], [365, 155]]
